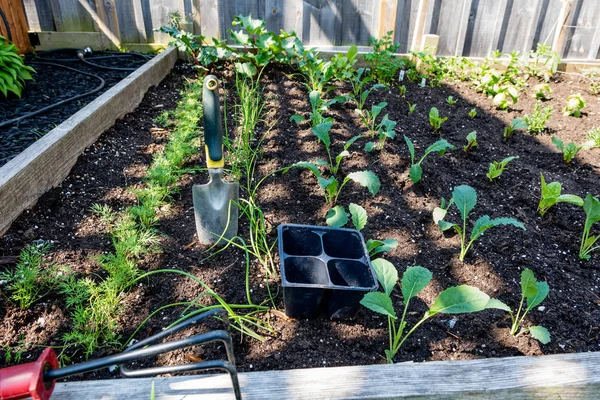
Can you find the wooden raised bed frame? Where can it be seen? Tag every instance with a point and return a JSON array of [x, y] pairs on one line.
[[47, 162]]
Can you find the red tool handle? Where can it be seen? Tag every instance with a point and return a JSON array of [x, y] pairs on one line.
[[23, 381]]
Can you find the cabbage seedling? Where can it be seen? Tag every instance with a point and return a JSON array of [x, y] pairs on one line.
[[454, 300], [473, 113], [465, 198], [569, 151], [534, 292], [434, 119], [337, 218], [385, 130], [541, 91], [450, 100], [369, 117], [411, 108], [500, 100], [536, 122], [416, 171], [575, 104], [331, 187], [471, 142], [517, 123], [497, 168], [402, 90], [322, 132], [358, 82], [591, 206], [551, 195]]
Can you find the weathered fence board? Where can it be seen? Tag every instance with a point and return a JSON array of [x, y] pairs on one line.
[[565, 376], [17, 24], [466, 27]]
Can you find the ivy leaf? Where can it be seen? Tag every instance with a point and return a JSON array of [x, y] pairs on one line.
[[540, 333], [386, 273], [366, 179], [336, 217], [458, 300], [379, 303], [414, 280], [359, 216]]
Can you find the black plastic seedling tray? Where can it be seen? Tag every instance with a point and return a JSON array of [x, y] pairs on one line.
[[323, 268]]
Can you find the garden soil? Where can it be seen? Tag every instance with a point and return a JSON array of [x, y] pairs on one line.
[[401, 210]]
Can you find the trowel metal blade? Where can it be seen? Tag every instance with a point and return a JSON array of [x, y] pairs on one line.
[[215, 209]]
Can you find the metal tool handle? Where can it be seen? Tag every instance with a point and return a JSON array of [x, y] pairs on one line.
[[27, 380], [213, 131]]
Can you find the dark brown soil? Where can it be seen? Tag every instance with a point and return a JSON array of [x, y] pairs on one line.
[[401, 210]]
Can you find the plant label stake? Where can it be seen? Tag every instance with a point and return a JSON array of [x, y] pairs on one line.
[[423, 82], [401, 75], [215, 203]]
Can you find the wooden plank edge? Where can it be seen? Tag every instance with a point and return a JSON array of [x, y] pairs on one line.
[[48, 161], [96, 40], [567, 376]]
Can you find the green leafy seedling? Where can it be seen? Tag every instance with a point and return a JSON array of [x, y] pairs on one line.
[[337, 218], [551, 196], [501, 99], [450, 100], [416, 171], [591, 206], [569, 151], [385, 130], [541, 91], [471, 142], [322, 132], [497, 168], [454, 300], [473, 113], [465, 198], [536, 122], [369, 117], [434, 119], [517, 123], [411, 108], [532, 295], [575, 104], [402, 90]]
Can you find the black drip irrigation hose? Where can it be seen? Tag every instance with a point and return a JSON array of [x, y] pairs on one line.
[[109, 68], [8, 33], [51, 106]]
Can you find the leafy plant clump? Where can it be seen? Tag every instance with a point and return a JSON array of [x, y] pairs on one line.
[[471, 142], [501, 100], [575, 104], [542, 91], [14, 72], [551, 195], [591, 206], [451, 100], [473, 113], [416, 171], [532, 295], [32, 278], [593, 137], [569, 151], [536, 122], [321, 131], [359, 94], [435, 120], [337, 218], [517, 123], [411, 108], [453, 300], [497, 168], [381, 61], [465, 198]]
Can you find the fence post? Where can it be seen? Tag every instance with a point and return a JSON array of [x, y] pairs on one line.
[[561, 30], [387, 17], [105, 29], [419, 25]]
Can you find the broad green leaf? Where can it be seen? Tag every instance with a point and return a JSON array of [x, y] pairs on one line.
[[370, 146], [322, 132], [376, 109], [540, 333], [327, 184], [379, 303], [367, 179], [297, 118], [458, 300], [386, 273], [359, 216], [571, 199], [307, 165], [246, 69], [528, 283], [351, 141], [414, 280], [542, 290], [558, 143], [439, 147], [465, 199], [434, 113], [439, 214], [372, 244], [352, 52], [445, 225], [497, 304], [484, 223], [336, 217], [415, 173], [315, 98], [591, 206], [386, 246], [518, 123]]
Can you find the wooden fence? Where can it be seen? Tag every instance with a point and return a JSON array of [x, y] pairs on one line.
[[466, 27]]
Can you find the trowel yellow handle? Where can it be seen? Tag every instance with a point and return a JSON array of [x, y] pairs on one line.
[[213, 131]]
